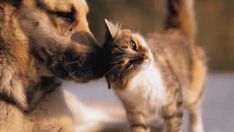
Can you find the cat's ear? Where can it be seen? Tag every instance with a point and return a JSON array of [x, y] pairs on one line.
[[112, 29]]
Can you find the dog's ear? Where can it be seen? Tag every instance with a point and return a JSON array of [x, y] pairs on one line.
[[7, 6], [1, 11], [15, 3], [1, 8], [112, 29]]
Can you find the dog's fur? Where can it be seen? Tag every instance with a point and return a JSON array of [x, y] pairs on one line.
[[40, 42]]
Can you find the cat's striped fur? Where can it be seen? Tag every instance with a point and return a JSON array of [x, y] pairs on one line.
[[163, 73]]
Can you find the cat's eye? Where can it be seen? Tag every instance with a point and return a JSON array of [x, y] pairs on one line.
[[133, 45]]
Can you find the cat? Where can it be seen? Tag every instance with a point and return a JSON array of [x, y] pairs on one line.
[[161, 74]]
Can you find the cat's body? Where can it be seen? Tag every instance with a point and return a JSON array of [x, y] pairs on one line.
[[144, 88], [163, 73]]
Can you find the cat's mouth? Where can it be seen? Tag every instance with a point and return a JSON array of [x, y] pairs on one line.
[[130, 64], [138, 60], [122, 64]]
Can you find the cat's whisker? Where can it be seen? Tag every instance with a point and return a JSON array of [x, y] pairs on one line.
[[115, 63], [72, 74], [72, 62], [112, 69]]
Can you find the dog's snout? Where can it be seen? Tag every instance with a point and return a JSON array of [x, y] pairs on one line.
[[84, 38]]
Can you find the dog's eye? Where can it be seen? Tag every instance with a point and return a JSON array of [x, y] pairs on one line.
[[133, 45], [66, 16]]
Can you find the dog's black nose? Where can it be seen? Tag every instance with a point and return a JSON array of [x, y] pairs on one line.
[[84, 38]]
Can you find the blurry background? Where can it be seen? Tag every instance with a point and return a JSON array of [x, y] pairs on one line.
[[215, 19]]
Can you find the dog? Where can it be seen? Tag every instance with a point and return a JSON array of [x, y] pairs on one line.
[[41, 43]]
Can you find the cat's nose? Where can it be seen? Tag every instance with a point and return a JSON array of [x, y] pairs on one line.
[[145, 57], [142, 57]]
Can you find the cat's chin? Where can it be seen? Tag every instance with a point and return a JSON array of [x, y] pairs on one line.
[[145, 64]]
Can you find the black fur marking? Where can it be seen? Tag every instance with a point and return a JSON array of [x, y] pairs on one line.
[[175, 115], [83, 68], [4, 97], [14, 3], [7, 99]]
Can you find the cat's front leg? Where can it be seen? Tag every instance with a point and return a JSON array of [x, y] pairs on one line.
[[195, 116], [138, 121], [173, 118]]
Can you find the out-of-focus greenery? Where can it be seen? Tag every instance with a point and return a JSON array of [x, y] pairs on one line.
[[215, 19]]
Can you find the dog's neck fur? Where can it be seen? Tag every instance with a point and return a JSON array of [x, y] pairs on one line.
[[19, 78]]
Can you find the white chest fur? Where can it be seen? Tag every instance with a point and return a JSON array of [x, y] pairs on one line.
[[145, 91]]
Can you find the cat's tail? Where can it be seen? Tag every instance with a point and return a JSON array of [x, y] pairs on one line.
[[181, 16]]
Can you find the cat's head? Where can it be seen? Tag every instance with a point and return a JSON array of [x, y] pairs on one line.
[[127, 54]]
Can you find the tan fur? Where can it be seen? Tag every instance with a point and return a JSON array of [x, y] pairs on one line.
[[56, 118], [16, 60], [41, 40], [181, 16], [13, 120]]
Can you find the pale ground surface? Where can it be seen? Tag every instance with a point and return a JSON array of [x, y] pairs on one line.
[[218, 107]]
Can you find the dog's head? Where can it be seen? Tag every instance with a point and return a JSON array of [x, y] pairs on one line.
[[60, 38]]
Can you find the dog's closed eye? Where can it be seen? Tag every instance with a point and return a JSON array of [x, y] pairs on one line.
[[66, 16]]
